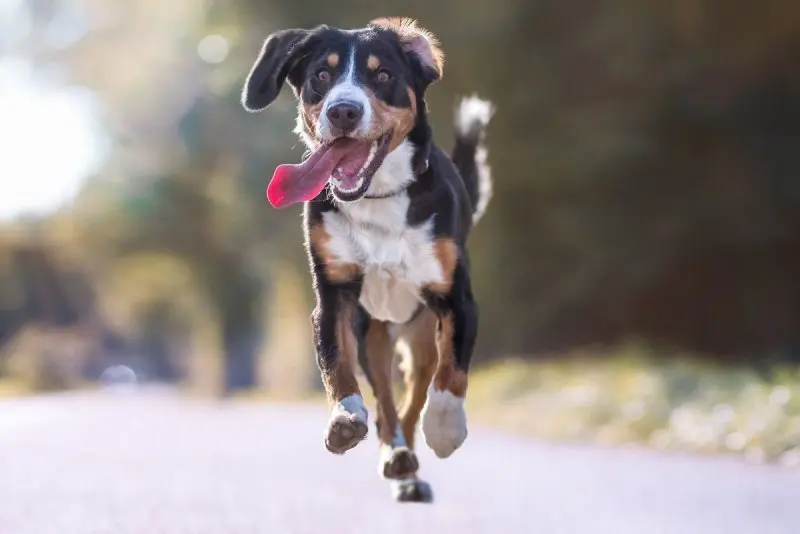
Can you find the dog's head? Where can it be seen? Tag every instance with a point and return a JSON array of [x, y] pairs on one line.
[[361, 94]]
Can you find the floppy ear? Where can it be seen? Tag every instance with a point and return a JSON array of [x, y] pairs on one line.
[[278, 56], [417, 42]]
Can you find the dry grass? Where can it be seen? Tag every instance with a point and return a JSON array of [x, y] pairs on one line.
[[10, 387], [635, 397]]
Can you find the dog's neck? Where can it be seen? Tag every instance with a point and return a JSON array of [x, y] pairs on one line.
[[395, 173], [389, 213]]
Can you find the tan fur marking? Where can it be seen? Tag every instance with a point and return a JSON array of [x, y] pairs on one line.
[[447, 377], [446, 252], [386, 117], [333, 60], [420, 339], [335, 270], [340, 381], [412, 35], [379, 352], [373, 62]]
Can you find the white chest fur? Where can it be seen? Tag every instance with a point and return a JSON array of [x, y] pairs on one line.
[[397, 260]]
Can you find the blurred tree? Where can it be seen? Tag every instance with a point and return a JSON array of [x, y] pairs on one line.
[[191, 194], [644, 154], [52, 303]]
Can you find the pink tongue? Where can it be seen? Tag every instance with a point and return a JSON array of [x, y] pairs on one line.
[[302, 182]]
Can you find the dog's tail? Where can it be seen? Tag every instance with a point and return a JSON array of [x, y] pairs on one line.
[[469, 153]]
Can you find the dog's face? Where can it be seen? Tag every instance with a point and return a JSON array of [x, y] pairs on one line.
[[360, 92]]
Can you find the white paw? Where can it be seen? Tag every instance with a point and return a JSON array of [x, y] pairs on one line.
[[347, 425], [350, 408], [397, 461], [444, 422]]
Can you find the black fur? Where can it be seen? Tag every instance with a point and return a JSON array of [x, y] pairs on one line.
[[278, 57], [446, 189]]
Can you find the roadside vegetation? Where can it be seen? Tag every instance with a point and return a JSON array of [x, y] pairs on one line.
[[638, 396]]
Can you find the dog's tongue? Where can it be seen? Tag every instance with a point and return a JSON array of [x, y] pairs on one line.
[[302, 182]]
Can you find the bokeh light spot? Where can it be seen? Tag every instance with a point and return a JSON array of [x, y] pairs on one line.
[[213, 49]]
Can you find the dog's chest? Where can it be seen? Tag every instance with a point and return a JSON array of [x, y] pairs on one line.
[[397, 260]]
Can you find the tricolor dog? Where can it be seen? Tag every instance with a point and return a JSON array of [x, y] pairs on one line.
[[386, 218]]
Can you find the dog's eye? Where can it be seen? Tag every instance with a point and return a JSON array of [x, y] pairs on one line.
[[383, 76], [324, 76]]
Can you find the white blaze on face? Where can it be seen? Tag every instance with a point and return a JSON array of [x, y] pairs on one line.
[[346, 90]]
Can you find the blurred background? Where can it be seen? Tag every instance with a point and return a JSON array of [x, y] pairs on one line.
[[638, 270]]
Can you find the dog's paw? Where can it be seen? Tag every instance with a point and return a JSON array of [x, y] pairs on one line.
[[398, 462], [347, 426], [412, 490], [444, 422]]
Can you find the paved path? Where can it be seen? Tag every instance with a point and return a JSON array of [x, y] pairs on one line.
[[158, 464]]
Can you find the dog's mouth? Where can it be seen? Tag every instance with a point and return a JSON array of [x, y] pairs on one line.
[[347, 163]]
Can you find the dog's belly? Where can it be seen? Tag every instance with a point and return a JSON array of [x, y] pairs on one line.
[[387, 297]]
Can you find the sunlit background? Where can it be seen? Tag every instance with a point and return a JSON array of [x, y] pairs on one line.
[[637, 271]]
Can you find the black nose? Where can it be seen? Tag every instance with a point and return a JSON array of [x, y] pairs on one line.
[[345, 116]]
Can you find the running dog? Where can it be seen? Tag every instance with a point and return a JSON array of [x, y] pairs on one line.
[[386, 218]]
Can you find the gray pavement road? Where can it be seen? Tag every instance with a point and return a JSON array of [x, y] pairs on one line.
[[156, 463]]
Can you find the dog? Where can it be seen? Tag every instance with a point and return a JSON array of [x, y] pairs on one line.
[[386, 218]]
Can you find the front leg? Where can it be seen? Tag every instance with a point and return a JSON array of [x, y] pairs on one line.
[[337, 287], [337, 347], [444, 420]]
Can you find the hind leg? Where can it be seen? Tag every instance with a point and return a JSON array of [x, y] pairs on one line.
[[397, 460], [418, 348], [444, 418]]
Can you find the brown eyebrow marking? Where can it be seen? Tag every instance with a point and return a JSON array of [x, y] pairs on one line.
[[373, 62], [333, 60]]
